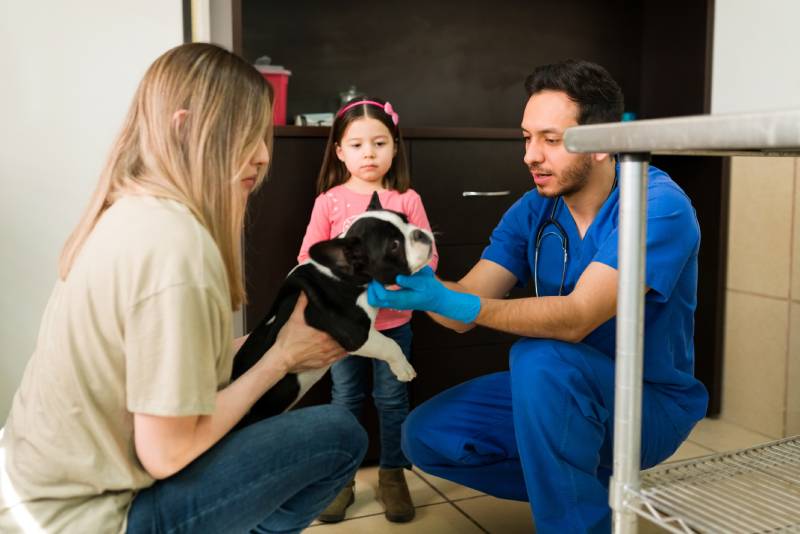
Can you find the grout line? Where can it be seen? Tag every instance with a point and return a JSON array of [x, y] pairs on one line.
[[789, 312], [447, 499], [469, 517], [470, 498], [376, 514], [760, 434], [702, 446], [763, 295]]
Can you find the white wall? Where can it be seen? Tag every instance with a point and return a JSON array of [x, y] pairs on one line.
[[68, 71], [756, 48], [756, 44]]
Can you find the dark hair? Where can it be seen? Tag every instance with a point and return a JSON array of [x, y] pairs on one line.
[[589, 85], [334, 172]]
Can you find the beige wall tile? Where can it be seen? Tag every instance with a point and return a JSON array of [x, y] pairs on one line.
[[759, 242], [754, 385], [793, 375]]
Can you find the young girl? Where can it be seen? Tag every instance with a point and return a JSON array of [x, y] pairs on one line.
[[365, 154], [122, 421]]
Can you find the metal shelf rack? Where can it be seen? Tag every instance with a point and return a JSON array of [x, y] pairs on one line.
[[748, 490]]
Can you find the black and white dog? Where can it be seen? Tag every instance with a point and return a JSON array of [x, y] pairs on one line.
[[379, 245]]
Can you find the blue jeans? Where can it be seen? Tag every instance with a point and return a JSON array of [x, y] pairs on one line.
[[542, 432], [275, 475], [390, 395]]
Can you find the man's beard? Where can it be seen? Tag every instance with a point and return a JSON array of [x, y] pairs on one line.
[[573, 178]]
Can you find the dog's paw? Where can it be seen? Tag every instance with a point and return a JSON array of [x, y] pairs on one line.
[[403, 371]]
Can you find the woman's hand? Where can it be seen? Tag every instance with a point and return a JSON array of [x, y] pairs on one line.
[[300, 347]]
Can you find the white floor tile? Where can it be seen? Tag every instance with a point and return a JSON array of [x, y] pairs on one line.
[[499, 516], [434, 519], [720, 435], [451, 490], [687, 450], [367, 485]]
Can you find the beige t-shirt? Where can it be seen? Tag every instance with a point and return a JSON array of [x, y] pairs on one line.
[[141, 324]]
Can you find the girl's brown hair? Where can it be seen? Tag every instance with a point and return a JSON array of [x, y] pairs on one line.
[[228, 112], [334, 172]]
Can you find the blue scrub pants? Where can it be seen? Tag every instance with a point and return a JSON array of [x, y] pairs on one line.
[[541, 432]]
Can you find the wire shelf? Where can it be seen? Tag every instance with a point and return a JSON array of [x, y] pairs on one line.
[[745, 491]]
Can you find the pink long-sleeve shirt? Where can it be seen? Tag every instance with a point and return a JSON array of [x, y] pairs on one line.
[[334, 212]]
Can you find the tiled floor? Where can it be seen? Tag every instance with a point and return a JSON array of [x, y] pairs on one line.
[[447, 508]]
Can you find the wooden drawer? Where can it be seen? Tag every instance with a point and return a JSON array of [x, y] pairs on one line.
[[443, 169]]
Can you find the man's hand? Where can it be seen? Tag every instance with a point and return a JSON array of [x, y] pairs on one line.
[[422, 291]]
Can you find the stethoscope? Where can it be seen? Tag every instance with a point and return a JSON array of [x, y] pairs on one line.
[[540, 235], [561, 234]]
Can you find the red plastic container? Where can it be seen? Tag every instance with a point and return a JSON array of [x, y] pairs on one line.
[[278, 78]]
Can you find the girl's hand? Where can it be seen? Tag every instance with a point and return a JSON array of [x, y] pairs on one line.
[[301, 347]]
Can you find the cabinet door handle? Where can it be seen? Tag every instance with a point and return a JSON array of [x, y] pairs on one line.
[[485, 193]]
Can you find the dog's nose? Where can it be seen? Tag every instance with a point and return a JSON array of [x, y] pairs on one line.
[[421, 237]]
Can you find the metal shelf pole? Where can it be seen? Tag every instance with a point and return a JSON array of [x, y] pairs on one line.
[[630, 339]]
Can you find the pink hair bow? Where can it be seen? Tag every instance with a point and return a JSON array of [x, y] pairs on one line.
[[387, 108]]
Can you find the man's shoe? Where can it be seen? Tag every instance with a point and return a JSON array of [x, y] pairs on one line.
[[393, 494], [336, 509]]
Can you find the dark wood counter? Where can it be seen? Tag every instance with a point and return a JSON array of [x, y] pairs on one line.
[[411, 133]]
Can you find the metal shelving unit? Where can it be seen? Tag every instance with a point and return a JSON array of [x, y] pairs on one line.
[[749, 490]]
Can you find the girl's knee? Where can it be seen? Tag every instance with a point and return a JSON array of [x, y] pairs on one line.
[[391, 399], [349, 394]]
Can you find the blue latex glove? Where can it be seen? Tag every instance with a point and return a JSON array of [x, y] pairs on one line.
[[422, 291]]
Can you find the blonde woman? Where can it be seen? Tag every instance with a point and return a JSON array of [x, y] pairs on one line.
[[122, 421]]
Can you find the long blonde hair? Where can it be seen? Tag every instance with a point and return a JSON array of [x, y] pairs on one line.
[[194, 160]]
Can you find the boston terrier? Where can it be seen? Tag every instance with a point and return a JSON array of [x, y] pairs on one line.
[[378, 245]]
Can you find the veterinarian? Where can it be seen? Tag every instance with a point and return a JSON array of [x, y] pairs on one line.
[[122, 420], [542, 432]]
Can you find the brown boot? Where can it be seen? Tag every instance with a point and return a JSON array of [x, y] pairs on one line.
[[393, 494], [336, 509]]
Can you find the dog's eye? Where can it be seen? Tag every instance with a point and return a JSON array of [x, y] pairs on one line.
[[395, 245]]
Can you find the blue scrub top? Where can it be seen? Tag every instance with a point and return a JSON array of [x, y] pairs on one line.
[[673, 241]]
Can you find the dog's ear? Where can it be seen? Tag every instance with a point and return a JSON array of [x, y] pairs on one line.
[[374, 202], [344, 256]]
